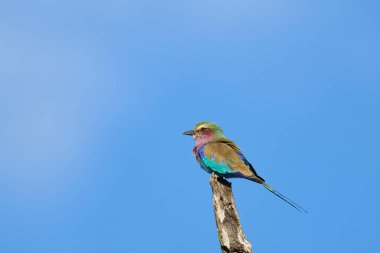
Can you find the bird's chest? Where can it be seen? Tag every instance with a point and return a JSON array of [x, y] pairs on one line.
[[202, 159]]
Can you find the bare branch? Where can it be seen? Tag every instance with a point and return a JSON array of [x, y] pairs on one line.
[[231, 236]]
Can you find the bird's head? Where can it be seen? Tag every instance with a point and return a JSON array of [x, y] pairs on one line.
[[205, 131]]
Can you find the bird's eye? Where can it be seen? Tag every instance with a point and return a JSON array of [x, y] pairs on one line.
[[202, 129]]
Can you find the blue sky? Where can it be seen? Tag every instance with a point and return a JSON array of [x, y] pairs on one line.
[[94, 97]]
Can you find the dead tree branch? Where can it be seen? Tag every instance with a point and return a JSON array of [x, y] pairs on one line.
[[231, 236]]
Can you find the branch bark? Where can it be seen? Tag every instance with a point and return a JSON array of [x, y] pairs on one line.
[[231, 236]]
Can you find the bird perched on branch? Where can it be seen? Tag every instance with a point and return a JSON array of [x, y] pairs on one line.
[[217, 154]]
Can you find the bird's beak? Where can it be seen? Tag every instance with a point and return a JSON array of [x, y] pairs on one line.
[[190, 132]]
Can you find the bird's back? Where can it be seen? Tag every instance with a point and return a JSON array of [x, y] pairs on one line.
[[225, 158]]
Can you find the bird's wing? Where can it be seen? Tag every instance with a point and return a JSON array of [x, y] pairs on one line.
[[250, 166], [224, 157], [242, 157]]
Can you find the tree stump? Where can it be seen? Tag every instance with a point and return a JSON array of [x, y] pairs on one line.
[[231, 236]]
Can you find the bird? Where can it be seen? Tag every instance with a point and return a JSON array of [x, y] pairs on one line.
[[218, 155]]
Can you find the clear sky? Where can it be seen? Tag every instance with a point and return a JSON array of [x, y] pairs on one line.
[[94, 97]]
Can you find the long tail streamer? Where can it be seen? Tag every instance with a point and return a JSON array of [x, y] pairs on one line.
[[284, 198]]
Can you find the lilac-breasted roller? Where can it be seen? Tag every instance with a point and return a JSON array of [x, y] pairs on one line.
[[217, 154]]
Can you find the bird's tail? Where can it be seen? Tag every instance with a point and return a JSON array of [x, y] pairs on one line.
[[290, 202]]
